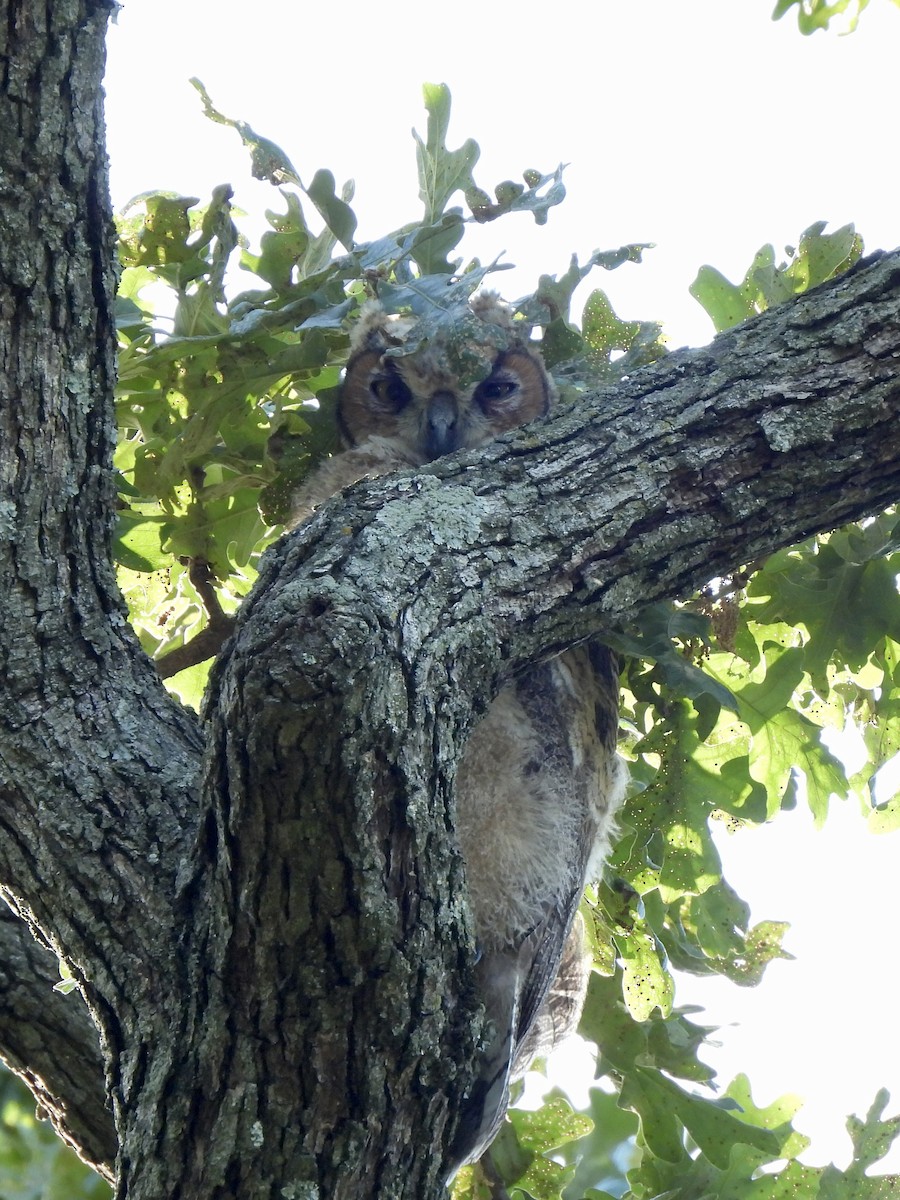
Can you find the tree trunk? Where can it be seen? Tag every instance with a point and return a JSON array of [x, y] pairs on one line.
[[98, 767], [273, 939]]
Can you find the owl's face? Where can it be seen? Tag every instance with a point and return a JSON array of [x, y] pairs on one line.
[[467, 382]]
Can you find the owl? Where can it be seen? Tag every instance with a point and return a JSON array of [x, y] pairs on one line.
[[539, 781]]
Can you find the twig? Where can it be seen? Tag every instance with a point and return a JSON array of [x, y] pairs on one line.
[[209, 641]]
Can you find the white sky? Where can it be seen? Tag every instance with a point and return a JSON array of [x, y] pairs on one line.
[[699, 126]]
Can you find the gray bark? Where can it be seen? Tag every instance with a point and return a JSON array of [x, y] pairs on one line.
[[98, 767], [48, 1039], [266, 915]]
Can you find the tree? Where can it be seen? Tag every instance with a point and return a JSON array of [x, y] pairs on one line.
[[287, 1007]]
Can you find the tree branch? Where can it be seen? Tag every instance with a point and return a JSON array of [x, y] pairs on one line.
[[705, 461], [210, 640], [51, 1043]]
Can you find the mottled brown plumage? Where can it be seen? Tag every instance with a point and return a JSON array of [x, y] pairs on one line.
[[540, 781]]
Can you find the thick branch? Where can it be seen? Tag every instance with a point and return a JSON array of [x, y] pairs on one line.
[[708, 460], [51, 1042]]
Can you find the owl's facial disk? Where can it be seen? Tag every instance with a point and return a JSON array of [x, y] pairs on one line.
[[427, 412]]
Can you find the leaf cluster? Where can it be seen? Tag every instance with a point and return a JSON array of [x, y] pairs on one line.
[[818, 257], [818, 14]]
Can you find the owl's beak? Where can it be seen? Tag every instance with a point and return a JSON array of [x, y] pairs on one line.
[[441, 433]]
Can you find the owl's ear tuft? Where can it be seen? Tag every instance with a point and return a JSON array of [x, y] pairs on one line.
[[489, 307], [377, 330]]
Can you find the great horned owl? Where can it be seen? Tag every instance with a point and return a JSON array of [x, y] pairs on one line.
[[540, 781]]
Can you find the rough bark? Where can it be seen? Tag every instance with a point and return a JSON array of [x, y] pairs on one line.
[[49, 1040], [274, 947], [98, 767]]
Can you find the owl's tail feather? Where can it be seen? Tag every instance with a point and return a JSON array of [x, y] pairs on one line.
[[527, 1018], [486, 1104]]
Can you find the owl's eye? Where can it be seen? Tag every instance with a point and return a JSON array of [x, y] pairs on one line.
[[495, 389], [390, 393]]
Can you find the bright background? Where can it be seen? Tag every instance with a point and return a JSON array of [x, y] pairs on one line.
[[700, 126]]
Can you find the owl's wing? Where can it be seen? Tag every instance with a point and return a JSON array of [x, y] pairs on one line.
[[375, 457], [554, 988], [560, 1013], [577, 708], [569, 782], [518, 989]]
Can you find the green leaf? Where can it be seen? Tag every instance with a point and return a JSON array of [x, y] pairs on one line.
[[850, 572], [269, 161], [822, 256], [161, 236], [886, 817], [189, 685], [872, 1138], [720, 919], [543, 193], [607, 1021], [761, 946], [282, 247], [434, 298], [137, 542], [334, 210], [691, 863], [601, 1156], [655, 628], [555, 293], [441, 171], [726, 303], [817, 14], [716, 1126], [762, 702], [647, 1096], [819, 257], [776, 1116], [787, 743], [519, 1154], [549, 1126], [646, 984]]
